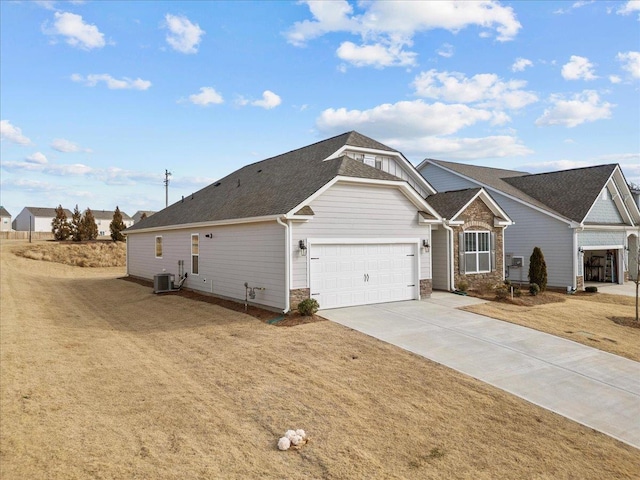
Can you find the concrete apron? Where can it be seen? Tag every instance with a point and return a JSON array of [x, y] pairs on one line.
[[594, 388]]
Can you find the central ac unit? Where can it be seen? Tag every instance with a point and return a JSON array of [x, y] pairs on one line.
[[163, 282]]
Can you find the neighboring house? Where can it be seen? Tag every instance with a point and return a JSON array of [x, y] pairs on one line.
[[138, 215], [36, 219], [635, 192], [343, 221], [584, 219], [5, 220], [105, 217]]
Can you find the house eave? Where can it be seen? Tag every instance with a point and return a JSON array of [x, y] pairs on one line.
[[197, 225]]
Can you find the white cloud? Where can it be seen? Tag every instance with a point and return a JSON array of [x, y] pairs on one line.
[[386, 28], [446, 50], [77, 33], [112, 83], [630, 62], [486, 89], [630, 7], [615, 79], [583, 107], [48, 4], [269, 100], [207, 96], [578, 68], [575, 5], [38, 158], [76, 169], [376, 55], [12, 133], [520, 64], [405, 119], [499, 146], [183, 35], [66, 146]]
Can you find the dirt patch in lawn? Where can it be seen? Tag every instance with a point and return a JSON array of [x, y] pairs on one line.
[[103, 379], [270, 317], [95, 254], [586, 318]]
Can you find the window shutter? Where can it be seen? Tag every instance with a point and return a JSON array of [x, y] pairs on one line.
[[461, 258], [493, 251]]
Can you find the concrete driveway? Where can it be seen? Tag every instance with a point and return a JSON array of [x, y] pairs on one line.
[[595, 388]]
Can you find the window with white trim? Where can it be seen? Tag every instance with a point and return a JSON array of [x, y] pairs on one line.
[[195, 253], [477, 252], [158, 247]]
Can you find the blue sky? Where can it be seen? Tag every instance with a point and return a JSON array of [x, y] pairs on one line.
[[98, 98]]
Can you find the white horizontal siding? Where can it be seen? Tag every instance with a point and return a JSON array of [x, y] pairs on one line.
[[359, 211], [252, 253], [444, 181]]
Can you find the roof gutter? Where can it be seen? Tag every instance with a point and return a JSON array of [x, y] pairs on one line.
[[287, 262]]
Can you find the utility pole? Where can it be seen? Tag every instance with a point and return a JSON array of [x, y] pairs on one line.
[[167, 174]]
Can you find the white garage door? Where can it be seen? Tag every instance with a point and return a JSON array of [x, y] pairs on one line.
[[344, 275]]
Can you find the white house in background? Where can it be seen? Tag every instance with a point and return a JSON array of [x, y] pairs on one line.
[[104, 219], [585, 220], [343, 221], [5, 220], [36, 219]]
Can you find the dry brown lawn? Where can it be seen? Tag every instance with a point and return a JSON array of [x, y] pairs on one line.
[[85, 254], [102, 379], [583, 318]]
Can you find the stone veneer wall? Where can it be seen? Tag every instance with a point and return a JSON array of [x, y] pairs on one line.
[[297, 295], [426, 287], [579, 282], [479, 217]]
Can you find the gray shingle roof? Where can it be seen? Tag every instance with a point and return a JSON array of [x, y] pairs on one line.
[[46, 212], [108, 214], [571, 193], [448, 204], [568, 193], [4, 212], [270, 187]]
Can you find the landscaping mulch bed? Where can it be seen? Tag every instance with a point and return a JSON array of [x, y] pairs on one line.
[[290, 319]]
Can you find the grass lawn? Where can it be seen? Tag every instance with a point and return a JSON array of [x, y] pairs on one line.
[[99, 378]]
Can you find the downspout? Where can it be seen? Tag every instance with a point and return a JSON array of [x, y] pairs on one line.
[[287, 263], [450, 254], [576, 256]]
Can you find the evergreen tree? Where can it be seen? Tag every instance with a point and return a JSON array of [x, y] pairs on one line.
[[76, 225], [116, 226], [538, 269], [60, 225], [143, 216], [88, 227]]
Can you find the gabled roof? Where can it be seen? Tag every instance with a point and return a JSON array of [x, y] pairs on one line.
[[270, 187], [571, 193], [449, 204], [45, 211], [568, 194], [453, 203], [108, 215], [4, 212]]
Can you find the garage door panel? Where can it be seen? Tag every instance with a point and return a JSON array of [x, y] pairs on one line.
[[354, 274]]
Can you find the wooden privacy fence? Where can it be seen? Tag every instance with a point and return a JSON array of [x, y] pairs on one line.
[[25, 235]]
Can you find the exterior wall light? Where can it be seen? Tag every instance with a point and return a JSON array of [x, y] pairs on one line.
[[303, 248], [425, 245]]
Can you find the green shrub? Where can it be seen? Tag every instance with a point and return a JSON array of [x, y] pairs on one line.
[[502, 293], [534, 289], [591, 289], [507, 282], [463, 286], [517, 292], [538, 269], [308, 307]]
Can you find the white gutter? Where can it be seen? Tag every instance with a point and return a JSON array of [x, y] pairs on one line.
[[287, 263], [450, 256]]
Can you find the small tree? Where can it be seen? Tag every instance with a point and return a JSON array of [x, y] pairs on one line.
[[88, 227], [143, 216], [60, 225], [116, 226], [76, 225], [538, 269]]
